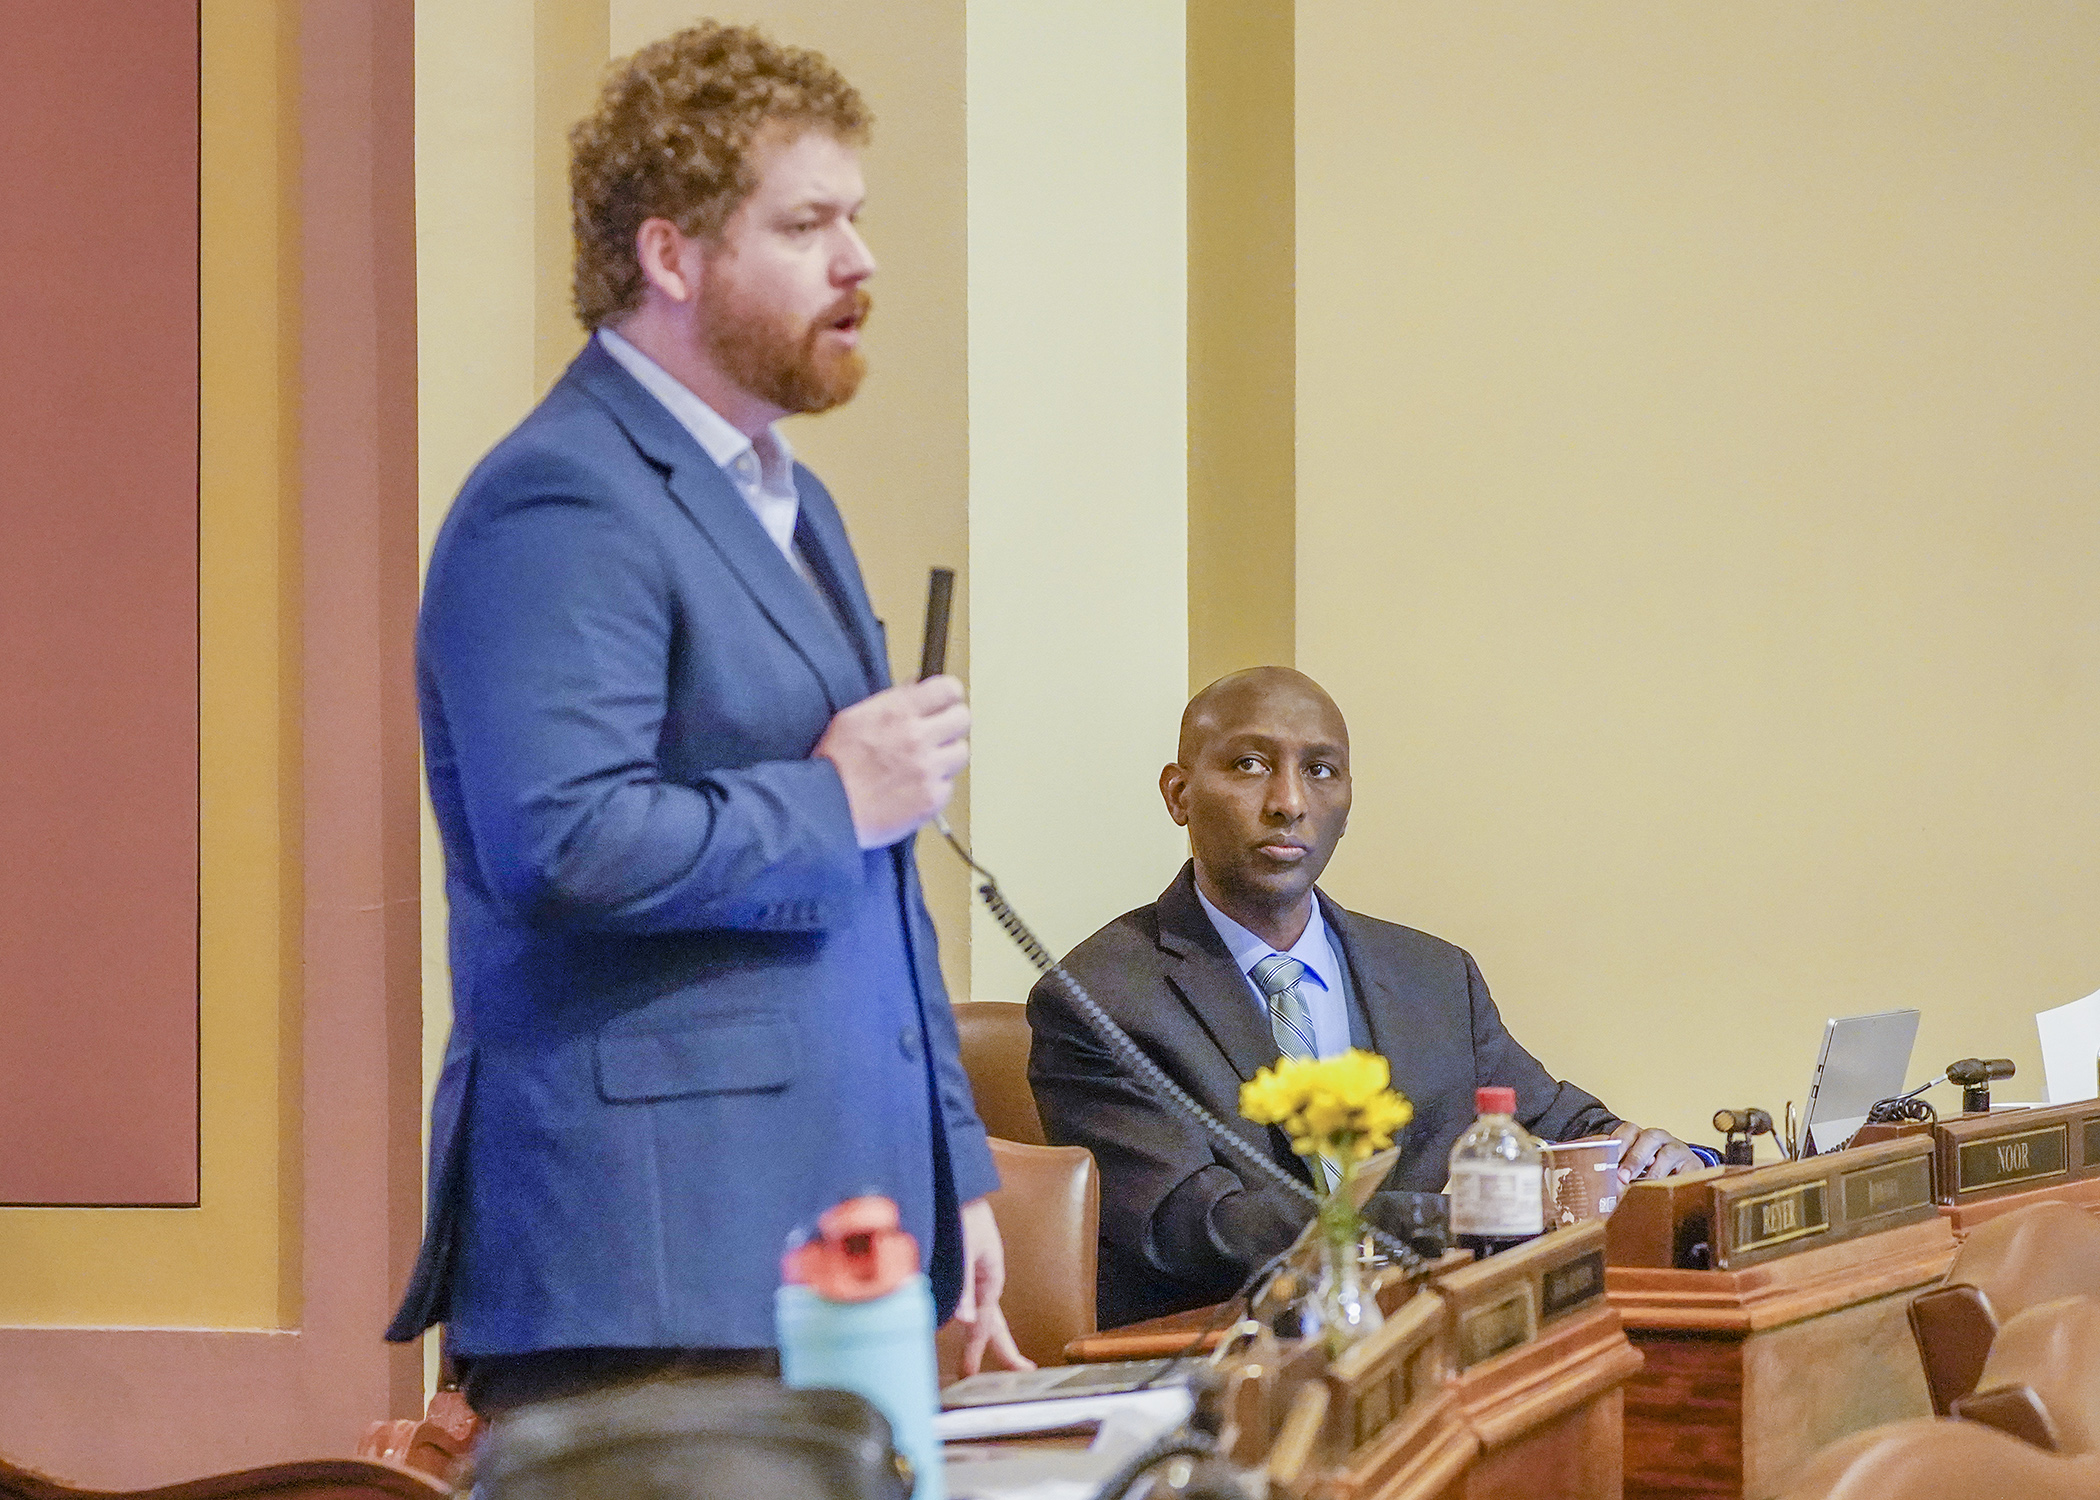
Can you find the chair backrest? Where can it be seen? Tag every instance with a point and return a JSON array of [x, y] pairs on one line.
[[2037, 1254], [995, 1055], [313, 1479], [2041, 1382], [1932, 1459], [1049, 1211], [705, 1438]]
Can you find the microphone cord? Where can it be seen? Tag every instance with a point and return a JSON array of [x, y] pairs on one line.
[[1135, 1057]]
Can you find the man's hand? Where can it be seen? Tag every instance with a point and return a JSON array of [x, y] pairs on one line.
[[1653, 1153], [984, 1278], [898, 754]]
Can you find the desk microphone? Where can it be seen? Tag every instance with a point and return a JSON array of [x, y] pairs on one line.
[[1737, 1126], [1974, 1074]]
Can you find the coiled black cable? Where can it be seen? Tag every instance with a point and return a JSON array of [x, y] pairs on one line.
[[1119, 1041]]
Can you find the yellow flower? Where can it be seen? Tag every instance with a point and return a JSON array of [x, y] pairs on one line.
[[1343, 1106]]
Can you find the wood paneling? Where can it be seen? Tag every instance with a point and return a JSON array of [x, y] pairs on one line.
[[123, 1407], [98, 603]]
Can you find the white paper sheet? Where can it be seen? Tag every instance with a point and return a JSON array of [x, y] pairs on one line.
[[2070, 1045]]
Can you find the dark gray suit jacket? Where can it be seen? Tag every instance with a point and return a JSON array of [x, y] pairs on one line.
[[1179, 1227]]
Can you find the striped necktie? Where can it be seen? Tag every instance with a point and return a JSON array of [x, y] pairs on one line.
[[1279, 977], [1290, 1018]]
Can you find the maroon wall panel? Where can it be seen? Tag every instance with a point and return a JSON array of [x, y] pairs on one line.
[[98, 602]]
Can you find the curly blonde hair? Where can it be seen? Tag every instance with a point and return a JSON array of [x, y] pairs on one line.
[[671, 138]]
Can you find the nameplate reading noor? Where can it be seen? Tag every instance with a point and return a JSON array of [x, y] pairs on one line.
[[2017, 1150]]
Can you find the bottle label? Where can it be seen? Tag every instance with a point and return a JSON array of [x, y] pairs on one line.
[[1497, 1200]]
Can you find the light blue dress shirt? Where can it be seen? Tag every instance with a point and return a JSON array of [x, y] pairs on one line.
[[1321, 987]]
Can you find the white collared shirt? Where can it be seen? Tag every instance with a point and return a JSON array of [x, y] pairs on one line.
[[1322, 986], [763, 470]]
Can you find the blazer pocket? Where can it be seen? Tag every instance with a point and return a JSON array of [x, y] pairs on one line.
[[747, 1056]]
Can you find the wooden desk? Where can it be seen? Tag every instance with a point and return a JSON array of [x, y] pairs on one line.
[[1494, 1379], [1155, 1338], [1547, 1408], [1750, 1370]]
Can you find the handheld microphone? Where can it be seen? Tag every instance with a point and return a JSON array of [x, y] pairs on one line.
[[940, 597]]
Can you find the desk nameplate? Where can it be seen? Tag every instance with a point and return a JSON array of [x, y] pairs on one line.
[[1883, 1192], [2013, 1160], [1780, 1217], [1782, 1209], [1502, 1303], [2015, 1151]]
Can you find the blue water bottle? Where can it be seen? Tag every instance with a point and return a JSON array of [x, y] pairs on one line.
[[855, 1313]]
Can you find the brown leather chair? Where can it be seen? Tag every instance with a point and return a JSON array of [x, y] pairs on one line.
[[995, 1055], [1049, 1211], [315, 1479], [2033, 1255], [2041, 1382], [1929, 1459]]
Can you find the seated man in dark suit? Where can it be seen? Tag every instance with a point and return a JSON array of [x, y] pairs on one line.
[[1261, 782]]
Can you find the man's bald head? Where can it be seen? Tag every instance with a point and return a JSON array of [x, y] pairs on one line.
[[1244, 696], [1261, 782]]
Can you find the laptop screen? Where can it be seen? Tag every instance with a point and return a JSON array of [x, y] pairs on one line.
[[1862, 1062]]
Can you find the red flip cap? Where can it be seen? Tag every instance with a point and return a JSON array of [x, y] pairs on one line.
[[859, 1253]]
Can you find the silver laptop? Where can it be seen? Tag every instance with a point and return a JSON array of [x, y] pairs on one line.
[[1862, 1062]]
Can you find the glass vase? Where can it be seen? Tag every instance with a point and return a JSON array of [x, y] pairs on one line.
[[1342, 1306]]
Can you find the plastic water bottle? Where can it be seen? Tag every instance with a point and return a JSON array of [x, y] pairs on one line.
[[855, 1313], [1498, 1179]]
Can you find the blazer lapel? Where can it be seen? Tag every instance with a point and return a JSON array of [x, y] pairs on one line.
[[822, 536], [715, 508], [1210, 985], [1374, 995]]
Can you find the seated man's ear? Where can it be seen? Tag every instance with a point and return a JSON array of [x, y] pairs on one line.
[[1173, 786]]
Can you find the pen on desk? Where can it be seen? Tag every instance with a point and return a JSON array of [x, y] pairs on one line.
[[1793, 1149]]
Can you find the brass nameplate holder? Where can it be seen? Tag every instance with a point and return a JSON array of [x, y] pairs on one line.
[[1389, 1376], [1726, 1220], [1986, 1156], [1501, 1303]]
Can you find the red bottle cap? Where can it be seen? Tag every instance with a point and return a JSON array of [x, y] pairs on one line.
[[859, 1253], [1493, 1101]]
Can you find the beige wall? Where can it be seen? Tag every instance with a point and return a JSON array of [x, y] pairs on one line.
[[1693, 495], [1696, 515]]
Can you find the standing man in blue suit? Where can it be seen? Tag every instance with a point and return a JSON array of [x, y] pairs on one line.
[[695, 989]]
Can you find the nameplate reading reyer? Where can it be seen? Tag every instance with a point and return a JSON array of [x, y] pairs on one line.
[[1775, 1218]]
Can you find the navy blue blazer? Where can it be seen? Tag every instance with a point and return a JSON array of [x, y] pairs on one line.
[[690, 1013]]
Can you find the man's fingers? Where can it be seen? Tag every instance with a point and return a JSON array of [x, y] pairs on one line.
[[932, 695], [1674, 1158], [1002, 1340], [1640, 1152], [950, 724]]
